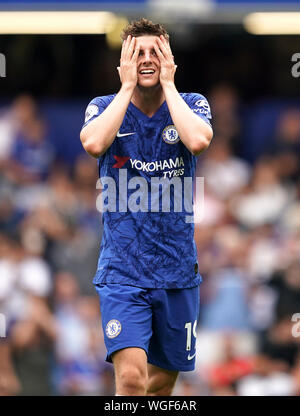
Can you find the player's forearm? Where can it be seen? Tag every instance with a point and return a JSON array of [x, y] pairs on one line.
[[194, 132], [99, 134]]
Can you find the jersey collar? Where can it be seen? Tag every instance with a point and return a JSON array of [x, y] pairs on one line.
[[162, 109]]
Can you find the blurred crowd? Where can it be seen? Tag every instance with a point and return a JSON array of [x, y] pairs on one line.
[[248, 243]]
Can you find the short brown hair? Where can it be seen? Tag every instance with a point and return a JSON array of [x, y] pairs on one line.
[[144, 27]]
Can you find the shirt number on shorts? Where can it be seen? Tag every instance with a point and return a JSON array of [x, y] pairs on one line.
[[188, 327]]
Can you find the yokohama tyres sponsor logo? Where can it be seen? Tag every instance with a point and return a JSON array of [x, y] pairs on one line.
[[157, 165]]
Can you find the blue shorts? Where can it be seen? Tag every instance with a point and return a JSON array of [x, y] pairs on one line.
[[160, 321]]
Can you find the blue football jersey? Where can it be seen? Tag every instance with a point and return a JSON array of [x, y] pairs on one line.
[[147, 180]]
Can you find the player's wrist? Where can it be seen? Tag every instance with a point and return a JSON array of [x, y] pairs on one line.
[[168, 85], [128, 86]]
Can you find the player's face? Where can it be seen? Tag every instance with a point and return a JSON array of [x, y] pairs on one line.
[[148, 64]]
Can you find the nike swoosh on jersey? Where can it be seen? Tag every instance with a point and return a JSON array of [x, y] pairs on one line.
[[190, 357], [124, 134]]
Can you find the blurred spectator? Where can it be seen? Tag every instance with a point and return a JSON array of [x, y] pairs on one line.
[[25, 285], [80, 351], [262, 300], [10, 216], [224, 102], [290, 220], [9, 382], [264, 200], [287, 138], [71, 229], [286, 284], [285, 146], [224, 173], [224, 375], [11, 121], [31, 154], [31, 339], [263, 253], [85, 177], [277, 364], [227, 306], [23, 275], [7, 133]]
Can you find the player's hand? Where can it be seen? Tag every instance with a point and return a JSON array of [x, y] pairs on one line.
[[166, 58], [128, 62]]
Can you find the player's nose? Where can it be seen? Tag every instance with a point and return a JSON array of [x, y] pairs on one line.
[[147, 56]]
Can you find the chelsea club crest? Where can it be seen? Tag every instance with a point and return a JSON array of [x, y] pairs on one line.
[[113, 328], [170, 134]]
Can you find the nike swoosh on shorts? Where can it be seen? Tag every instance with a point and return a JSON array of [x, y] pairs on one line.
[[190, 357]]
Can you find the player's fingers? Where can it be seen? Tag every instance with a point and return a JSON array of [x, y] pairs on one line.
[[163, 48], [118, 68], [166, 43], [158, 52], [164, 40], [123, 48], [167, 47], [135, 54], [126, 46], [170, 50], [130, 49]]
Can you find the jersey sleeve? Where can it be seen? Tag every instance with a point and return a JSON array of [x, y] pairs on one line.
[[95, 108], [199, 104]]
